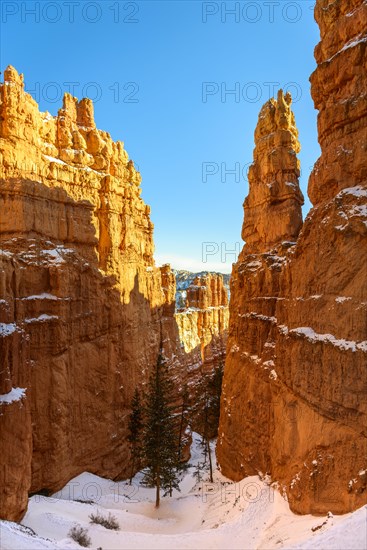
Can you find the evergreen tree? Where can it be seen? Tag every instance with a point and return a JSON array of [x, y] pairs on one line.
[[159, 438], [209, 403], [135, 432], [207, 432], [215, 390]]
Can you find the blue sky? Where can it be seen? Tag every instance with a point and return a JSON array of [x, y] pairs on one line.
[[161, 73]]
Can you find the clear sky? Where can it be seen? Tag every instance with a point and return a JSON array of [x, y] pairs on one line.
[[162, 73]]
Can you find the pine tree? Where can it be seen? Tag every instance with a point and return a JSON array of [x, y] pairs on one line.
[[135, 432], [159, 438], [206, 432], [215, 389], [211, 390]]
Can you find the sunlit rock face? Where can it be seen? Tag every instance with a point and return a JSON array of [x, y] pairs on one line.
[[273, 206], [79, 291], [203, 331], [294, 397], [205, 315], [83, 309]]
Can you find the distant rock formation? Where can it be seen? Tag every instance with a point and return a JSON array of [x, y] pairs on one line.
[[203, 323], [185, 278], [83, 308], [203, 332], [294, 395]]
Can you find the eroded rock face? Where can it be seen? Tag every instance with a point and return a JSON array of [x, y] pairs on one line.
[[83, 309], [203, 323], [338, 88], [294, 398], [203, 332], [273, 206]]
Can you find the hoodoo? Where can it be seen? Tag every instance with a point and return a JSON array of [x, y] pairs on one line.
[[85, 312], [273, 207]]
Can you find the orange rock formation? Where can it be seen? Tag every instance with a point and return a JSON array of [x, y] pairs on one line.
[[273, 207], [294, 399], [83, 309], [203, 323], [203, 332]]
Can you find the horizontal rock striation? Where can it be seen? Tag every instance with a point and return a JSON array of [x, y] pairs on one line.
[[83, 308], [294, 398], [203, 323], [273, 206], [81, 300], [203, 331]]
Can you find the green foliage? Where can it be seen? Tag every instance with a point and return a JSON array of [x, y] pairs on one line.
[[209, 410], [185, 412], [208, 403], [215, 392], [200, 470], [159, 439]]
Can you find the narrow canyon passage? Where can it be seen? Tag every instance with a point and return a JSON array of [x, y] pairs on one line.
[[259, 376]]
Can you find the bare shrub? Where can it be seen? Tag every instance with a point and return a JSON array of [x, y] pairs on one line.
[[80, 535], [109, 522]]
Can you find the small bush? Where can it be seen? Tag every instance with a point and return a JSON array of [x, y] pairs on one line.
[[80, 535], [109, 522]]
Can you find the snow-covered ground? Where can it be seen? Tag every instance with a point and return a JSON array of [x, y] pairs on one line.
[[223, 514]]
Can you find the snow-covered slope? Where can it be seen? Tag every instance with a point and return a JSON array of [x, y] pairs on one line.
[[249, 514]]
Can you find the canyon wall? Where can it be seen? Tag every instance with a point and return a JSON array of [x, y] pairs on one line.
[[82, 302], [294, 402], [203, 331], [203, 322], [83, 308]]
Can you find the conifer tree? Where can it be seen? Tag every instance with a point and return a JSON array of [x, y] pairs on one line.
[[159, 438], [215, 390], [211, 390], [207, 433], [135, 432]]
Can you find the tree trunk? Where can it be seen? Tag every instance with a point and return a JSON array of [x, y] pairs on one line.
[[210, 462], [132, 469], [157, 496], [180, 433]]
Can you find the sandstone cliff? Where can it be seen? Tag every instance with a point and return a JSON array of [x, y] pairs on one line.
[[294, 398], [203, 330], [203, 323], [273, 207], [83, 308], [186, 278]]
